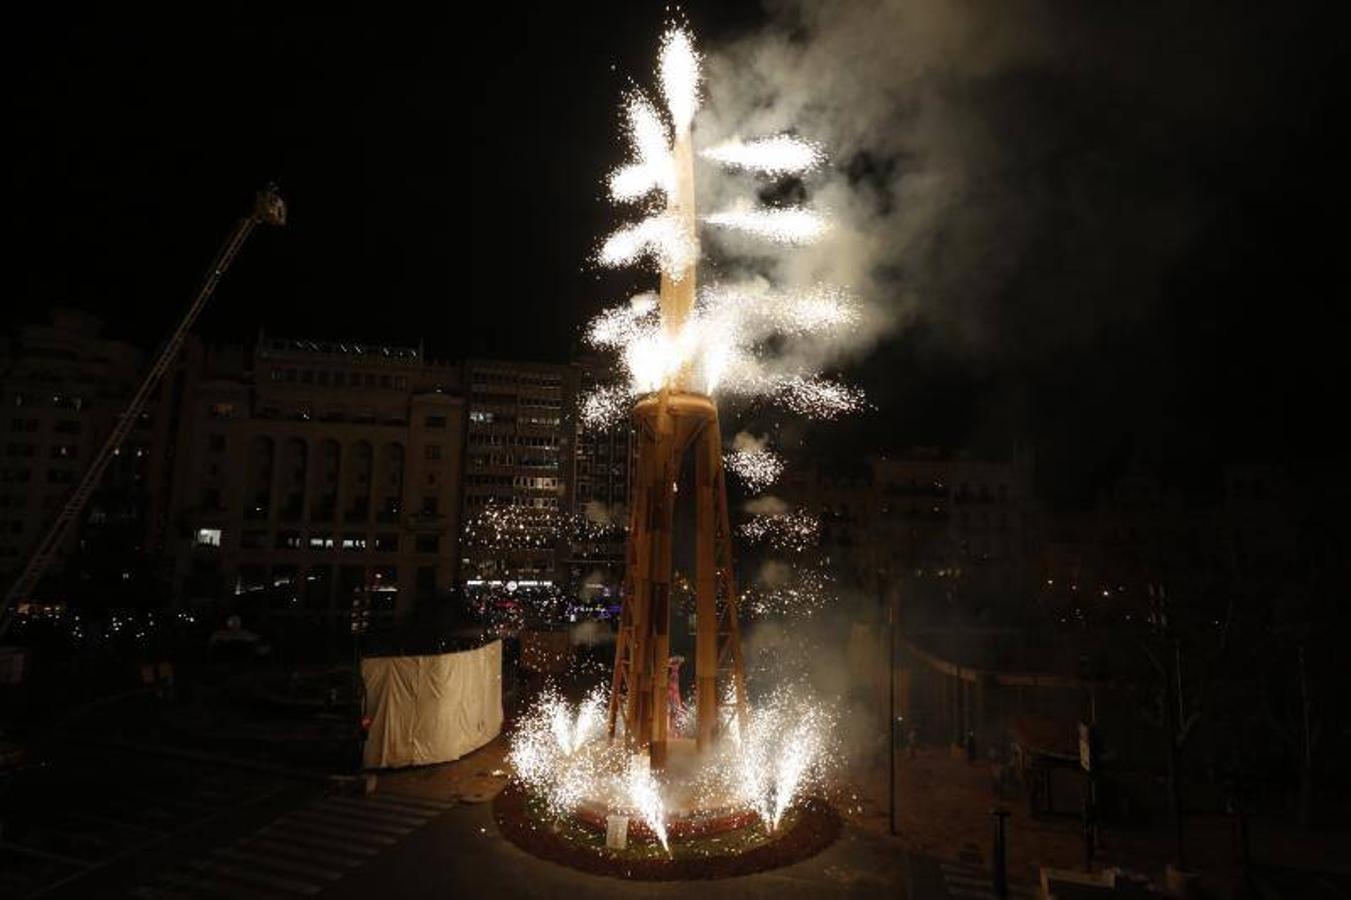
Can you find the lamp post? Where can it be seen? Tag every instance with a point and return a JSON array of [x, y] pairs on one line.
[[890, 600]]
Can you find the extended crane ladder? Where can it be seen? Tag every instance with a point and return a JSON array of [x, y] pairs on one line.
[[267, 208]]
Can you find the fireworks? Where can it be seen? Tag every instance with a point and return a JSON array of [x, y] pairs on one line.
[[560, 753], [818, 397], [556, 752], [507, 527], [789, 591], [653, 168], [786, 748], [722, 337], [661, 237], [793, 532], [783, 226], [719, 343], [756, 465], [679, 70], [644, 796], [605, 406], [778, 155]]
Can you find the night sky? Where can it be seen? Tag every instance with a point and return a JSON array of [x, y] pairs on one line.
[[444, 178]]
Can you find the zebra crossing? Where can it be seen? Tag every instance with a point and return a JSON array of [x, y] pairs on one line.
[[965, 881], [298, 854]]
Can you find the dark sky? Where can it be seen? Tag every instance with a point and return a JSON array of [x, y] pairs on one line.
[[444, 182]]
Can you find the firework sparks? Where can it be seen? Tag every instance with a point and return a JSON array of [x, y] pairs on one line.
[[644, 794], [505, 527], [605, 406], [720, 337], [679, 70], [783, 226], [653, 168], [757, 466], [778, 155], [818, 397], [785, 749], [793, 531], [661, 238], [790, 591]]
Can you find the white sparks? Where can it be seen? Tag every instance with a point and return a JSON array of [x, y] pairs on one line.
[[790, 531], [653, 168], [792, 225], [818, 397], [679, 69], [605, 406], [785, 749], [757, 466], [645, 796], [662, 238], [778, 155]]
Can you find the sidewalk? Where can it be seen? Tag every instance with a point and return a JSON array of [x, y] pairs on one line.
[[943, 811], [474, 778]]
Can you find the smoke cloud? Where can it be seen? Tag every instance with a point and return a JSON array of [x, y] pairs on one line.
[[1018, 174]]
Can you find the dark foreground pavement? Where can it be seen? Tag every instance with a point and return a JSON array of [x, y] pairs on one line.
[[461, 854]]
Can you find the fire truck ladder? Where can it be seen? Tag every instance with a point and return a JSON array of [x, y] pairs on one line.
[[268, 208]]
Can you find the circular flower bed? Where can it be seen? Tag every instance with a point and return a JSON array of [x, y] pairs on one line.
[[741, 849]]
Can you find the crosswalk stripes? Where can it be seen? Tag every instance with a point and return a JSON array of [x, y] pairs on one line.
[[299, 853], [964, 881]]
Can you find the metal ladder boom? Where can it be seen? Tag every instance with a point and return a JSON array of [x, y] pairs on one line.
[[268, 208]]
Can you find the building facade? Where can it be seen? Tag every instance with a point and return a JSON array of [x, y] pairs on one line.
[[310, 474], [63, 386], [518, 440], [601, 466], [925, 516]]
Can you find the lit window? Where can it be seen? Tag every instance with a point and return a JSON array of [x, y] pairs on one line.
[[208, 537]]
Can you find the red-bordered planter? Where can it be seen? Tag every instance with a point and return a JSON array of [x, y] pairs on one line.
[[718, 846]]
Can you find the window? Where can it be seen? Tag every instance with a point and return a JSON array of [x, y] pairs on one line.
[[222, 410], [289, 540], [428, 543], [433, 451], [435, 422], [426, 578], [321, 540], [354, 542], [207, 537], [386, 543], [429, 506]]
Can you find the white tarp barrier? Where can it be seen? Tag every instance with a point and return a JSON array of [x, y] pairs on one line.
[[430, 709]]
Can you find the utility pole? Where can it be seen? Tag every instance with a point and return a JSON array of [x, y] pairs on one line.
[[1173, 713]]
